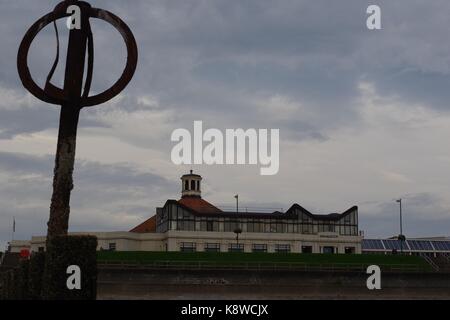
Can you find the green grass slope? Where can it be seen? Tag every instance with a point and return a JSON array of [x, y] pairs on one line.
[[232, 258]]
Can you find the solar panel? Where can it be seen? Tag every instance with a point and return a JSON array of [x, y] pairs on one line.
[[441, 245], [408, 245], [373, 244], [423, 245], [395, 244], [447, 244]]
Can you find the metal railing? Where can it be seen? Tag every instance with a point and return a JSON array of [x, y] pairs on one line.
[[430, 262], [446, 256], [255, 266]]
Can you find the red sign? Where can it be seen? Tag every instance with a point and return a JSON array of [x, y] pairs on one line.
[[24, 253]]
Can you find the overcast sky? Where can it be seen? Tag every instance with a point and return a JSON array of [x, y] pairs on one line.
[[363, 115]]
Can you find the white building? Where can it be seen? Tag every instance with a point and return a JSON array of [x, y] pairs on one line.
[[193, 224]]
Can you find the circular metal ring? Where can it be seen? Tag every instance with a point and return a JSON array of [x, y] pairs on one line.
[[58, 13]]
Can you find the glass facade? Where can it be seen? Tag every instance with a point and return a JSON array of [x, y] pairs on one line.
[[174, 217]]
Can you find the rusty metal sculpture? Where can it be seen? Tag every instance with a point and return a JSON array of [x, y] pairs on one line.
[[73, 97]]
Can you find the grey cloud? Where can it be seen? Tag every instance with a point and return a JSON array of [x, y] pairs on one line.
[[24, 120], [208, 60], [104, 194], [313, 51], [424, 214]]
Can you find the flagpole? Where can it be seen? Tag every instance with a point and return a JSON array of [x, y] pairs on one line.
[[14, 228], [399, 201]]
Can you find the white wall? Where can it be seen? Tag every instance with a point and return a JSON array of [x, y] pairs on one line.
[[129, 241]]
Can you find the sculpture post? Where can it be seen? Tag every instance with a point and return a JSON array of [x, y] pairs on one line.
[[73, 97]]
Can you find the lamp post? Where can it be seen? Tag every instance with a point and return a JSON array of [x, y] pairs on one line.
[[237, 231], [401, 237]]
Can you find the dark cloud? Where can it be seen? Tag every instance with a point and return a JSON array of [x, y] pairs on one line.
[[224, 62], [201, 57]]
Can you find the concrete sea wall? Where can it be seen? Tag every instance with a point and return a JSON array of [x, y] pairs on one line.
[[245, 284]]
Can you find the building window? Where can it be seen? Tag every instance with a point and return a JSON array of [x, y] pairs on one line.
[[326, 227], [348, 219], [230, 226], [212, 247], [291, 228], [186, 225], [236, 247], [187, 247], [192, 185], [328, 250], [307, 228], [349, 230], [41, 249], [280, 227], [209, 225], [283, 248], [258, 247], [349, 250], [254, 226], [112, 246], [306, 249], [186, 185]]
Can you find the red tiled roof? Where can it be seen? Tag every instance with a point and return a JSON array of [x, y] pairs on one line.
[[199, 205], [148, 225]]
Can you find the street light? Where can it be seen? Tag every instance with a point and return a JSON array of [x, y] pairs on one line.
[[401, 237], [237, 231]]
